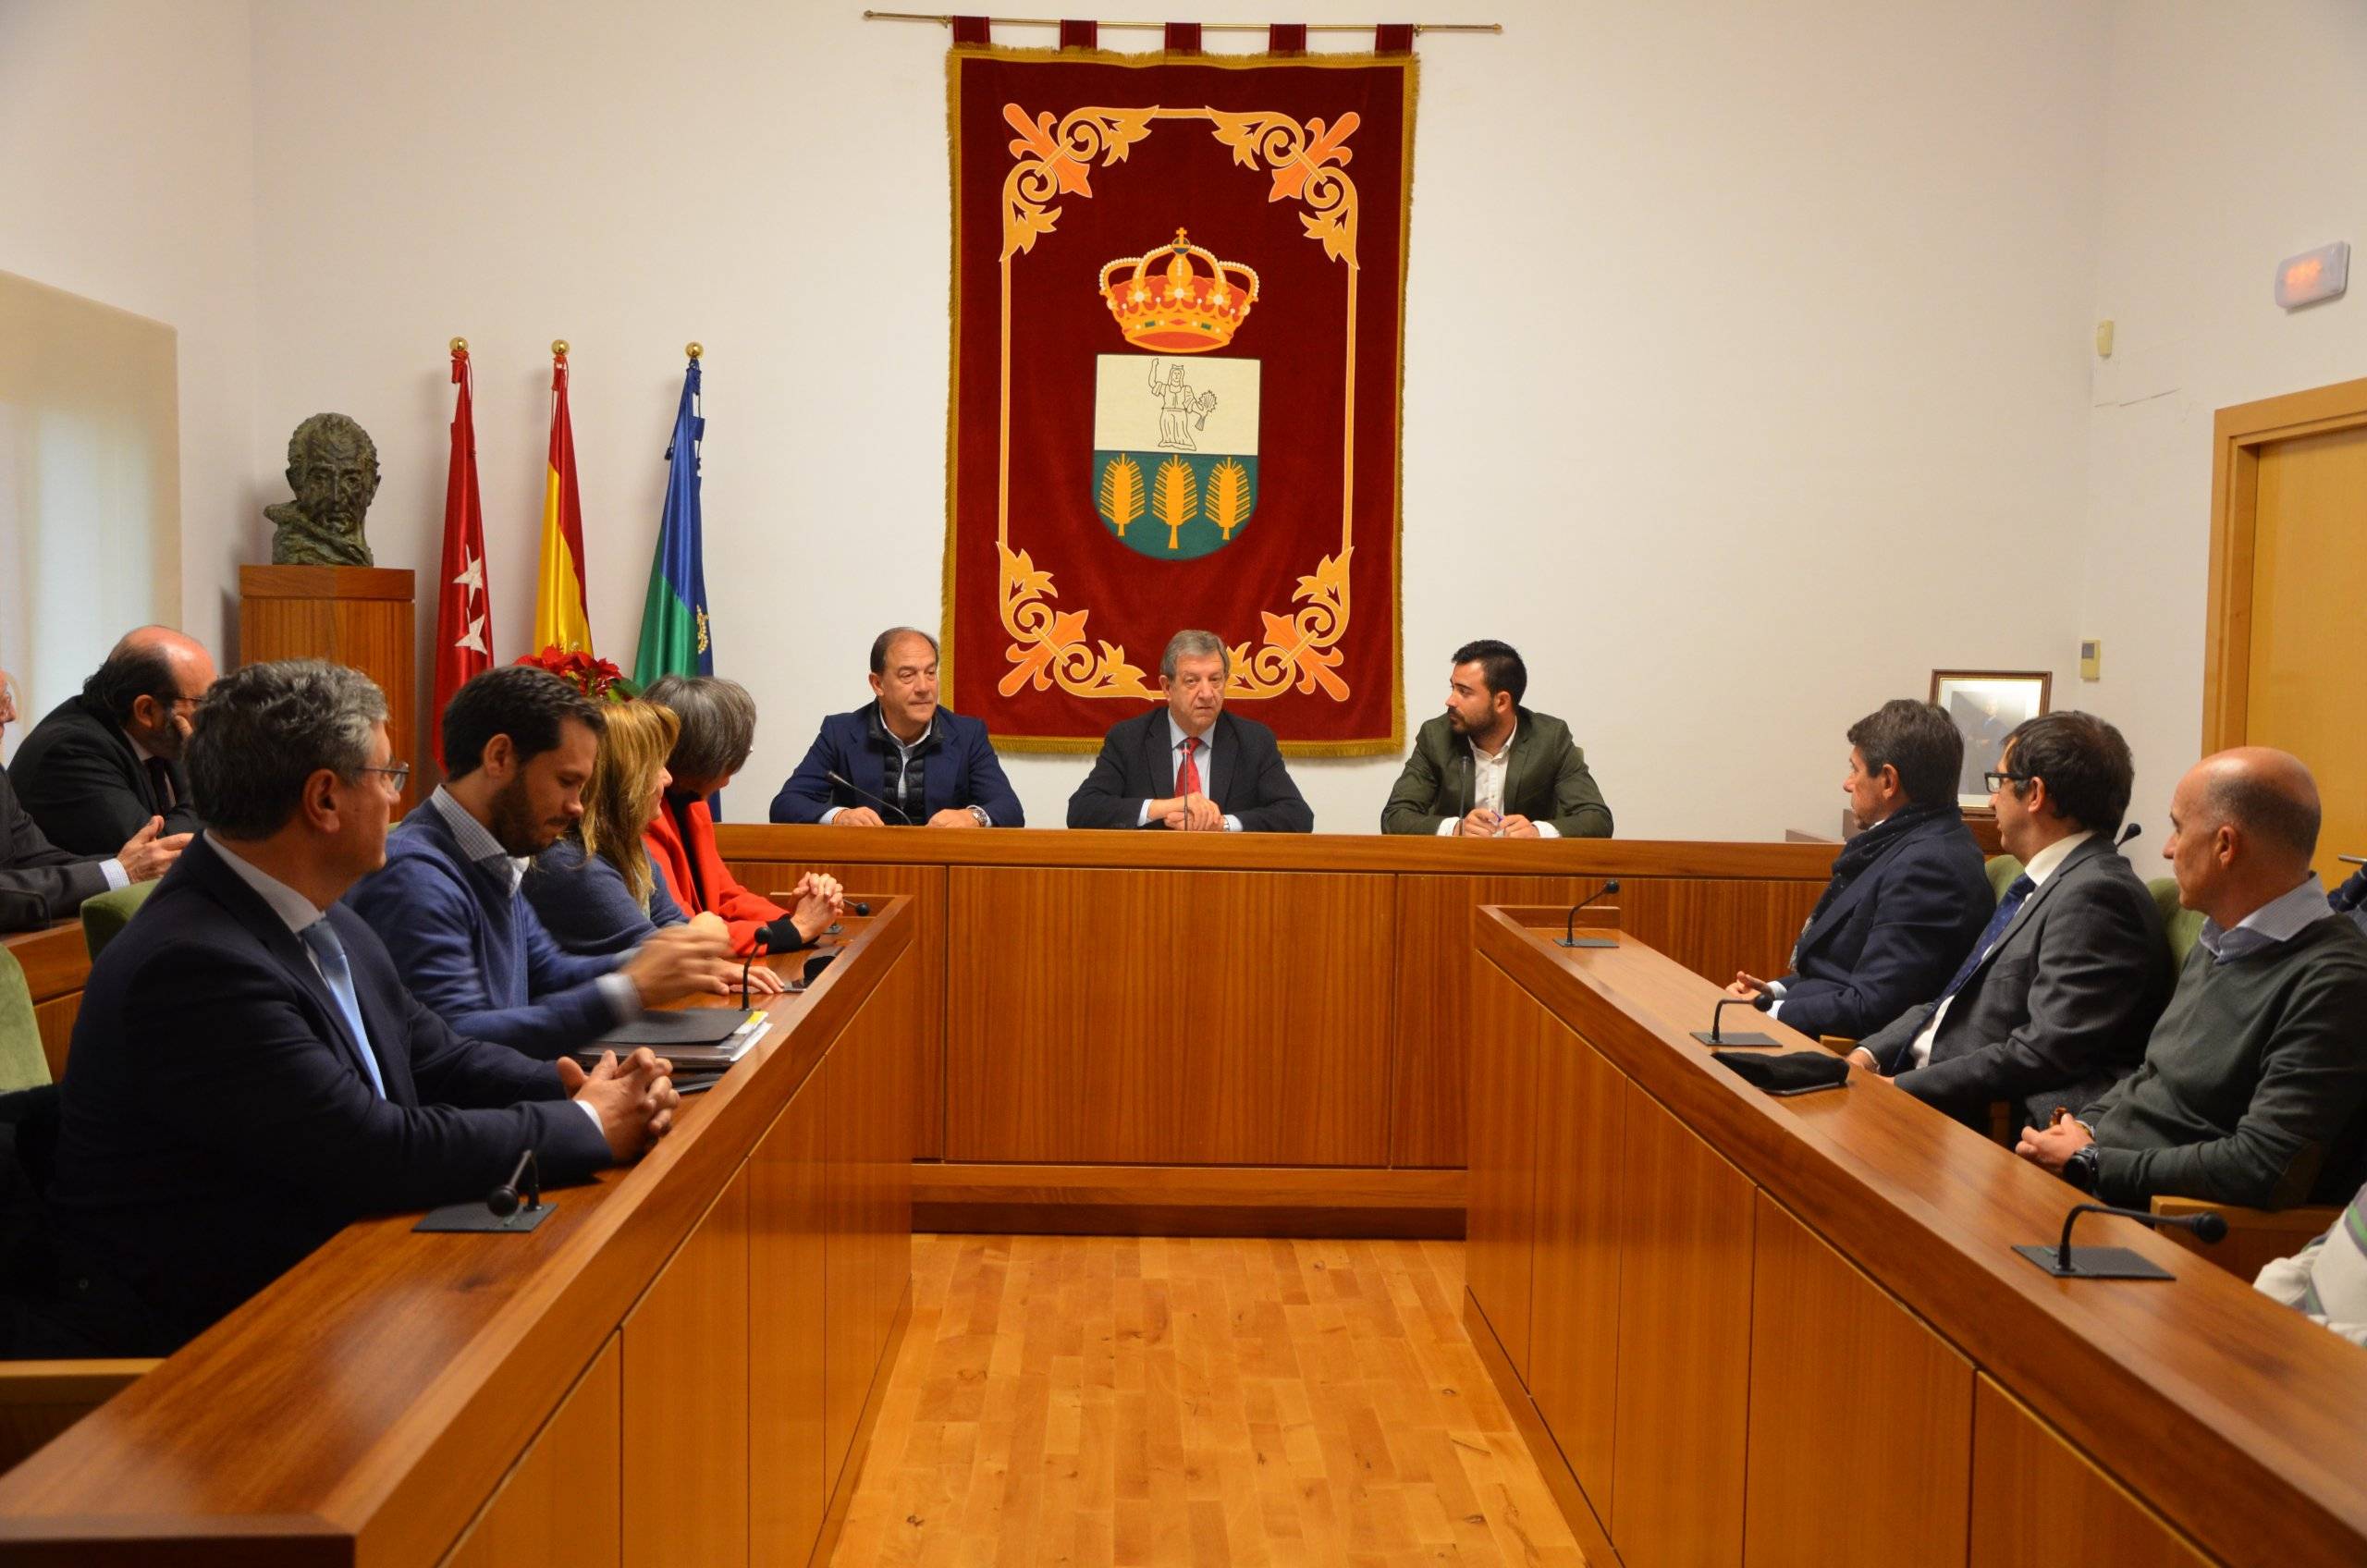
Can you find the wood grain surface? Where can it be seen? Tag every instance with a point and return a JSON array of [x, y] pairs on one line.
[[2032, 1492], [562, 1502], [358, 615], [1499, 1239], [1171, 1017], [787, 1226], [686, 1399]]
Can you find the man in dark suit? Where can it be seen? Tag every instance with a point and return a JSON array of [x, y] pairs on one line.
[[103, 763], [39, 882], [924, 764], [1490, 768], [1191, 767], [2055, 1000], [248, 1075], [1907, 896]]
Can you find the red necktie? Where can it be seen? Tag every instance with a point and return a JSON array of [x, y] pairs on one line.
[[1187, 778]]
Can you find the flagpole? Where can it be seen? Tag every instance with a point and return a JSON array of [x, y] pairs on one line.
[[1155, 26]]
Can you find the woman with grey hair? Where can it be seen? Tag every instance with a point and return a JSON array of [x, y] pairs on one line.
[[718, 729]]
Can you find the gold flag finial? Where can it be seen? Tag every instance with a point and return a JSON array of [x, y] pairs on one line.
[[460, 345], [694, 350], [558, 346]]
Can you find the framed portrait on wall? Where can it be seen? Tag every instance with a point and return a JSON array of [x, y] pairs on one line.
[[1985, 705]]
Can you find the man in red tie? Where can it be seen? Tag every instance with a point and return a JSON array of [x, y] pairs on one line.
[[1191, 767]]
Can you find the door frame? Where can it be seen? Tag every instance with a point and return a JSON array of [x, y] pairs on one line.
[[2238, 432]]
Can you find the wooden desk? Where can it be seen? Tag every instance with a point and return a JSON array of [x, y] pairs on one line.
[[680, 1365], [1313, 1084], [56, 964], [1738, 1328]]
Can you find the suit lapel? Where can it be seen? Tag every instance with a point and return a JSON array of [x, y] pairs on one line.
[[1224, 752], [1516, 768], [2038, 896], [1847, 898]]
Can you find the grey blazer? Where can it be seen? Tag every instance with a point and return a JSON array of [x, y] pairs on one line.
[[2060, 1007]]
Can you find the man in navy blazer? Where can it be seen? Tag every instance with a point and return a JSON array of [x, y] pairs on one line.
[[1909, 895], [2055, 1003], [248, 1075], [518, 745], [1191, 767], [905, 759]]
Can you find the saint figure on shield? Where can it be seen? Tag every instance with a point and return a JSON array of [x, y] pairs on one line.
[[1177, 407]]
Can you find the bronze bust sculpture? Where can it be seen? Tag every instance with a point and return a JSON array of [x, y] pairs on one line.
[[333, 469]]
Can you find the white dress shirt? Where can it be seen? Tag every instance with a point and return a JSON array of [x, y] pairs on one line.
[[1488, 771]]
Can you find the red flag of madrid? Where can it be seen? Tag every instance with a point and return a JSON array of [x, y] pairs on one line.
[[464, 613]]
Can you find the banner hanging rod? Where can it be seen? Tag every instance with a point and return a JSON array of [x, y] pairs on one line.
[[1155, 26]]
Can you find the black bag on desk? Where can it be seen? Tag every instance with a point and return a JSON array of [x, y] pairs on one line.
[[1793, 1073]]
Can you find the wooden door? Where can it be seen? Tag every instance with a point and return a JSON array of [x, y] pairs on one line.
[[2288, 579]]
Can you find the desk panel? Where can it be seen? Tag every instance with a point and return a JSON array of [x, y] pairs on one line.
[[1581, 1200], [1182, 1017]]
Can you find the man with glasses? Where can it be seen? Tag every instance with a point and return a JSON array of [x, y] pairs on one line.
[[2055, 1000], [104, 769], [518, 745], [248, 1073]]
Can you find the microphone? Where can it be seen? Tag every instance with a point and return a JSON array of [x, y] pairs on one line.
[[2126, 834], [1710, 1036], [852, 788], [1470, 781], [503, 1200], [2067, 1262], [1570, 938]]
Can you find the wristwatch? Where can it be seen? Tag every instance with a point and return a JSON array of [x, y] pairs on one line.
[[980, 813], [2081, 1169]]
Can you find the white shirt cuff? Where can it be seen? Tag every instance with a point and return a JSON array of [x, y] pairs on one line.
[[624, 997], [118, 879], [1448, 829], [831, 812], [587, 1109], [1233, 824], [1547, 831], [1142, 817], [1776, 1010]]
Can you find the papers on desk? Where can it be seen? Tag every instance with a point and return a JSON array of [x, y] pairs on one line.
[[704, 1039]]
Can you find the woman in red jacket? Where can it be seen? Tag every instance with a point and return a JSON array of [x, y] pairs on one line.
[[719, 721]]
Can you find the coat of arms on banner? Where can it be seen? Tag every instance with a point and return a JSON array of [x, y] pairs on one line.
[[1194, 272]]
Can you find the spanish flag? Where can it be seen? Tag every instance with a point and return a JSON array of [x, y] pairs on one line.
[[560, 619]]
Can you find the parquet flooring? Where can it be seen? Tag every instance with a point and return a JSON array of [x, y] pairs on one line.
[[1091, 1399]]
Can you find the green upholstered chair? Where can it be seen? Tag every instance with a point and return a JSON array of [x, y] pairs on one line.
[[2002, 870], [22, 1065], [105, 915], [2179, 926]]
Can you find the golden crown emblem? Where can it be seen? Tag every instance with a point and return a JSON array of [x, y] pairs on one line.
[[1180, 308]]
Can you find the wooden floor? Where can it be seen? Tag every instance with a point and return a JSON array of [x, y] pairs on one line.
[[1112, 1400]]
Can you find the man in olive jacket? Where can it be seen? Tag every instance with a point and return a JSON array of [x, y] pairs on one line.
[[1489, 767]]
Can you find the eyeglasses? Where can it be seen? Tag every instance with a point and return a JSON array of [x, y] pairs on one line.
[[397, 775], [1997, 781]]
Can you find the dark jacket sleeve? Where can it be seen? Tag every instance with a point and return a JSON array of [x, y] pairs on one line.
[[2312, 1083], [1578, 808], [425, 918], [287, 1104], [2093, 987], [76, 786], [1279, 807], [39, 882], [1916, 939], [1888, 1044], [1413, 800], [988, 788], [1105, 799], [585, 906], [805, 795]]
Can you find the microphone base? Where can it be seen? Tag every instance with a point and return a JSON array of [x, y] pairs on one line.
[[1585, 942], [2096, 1263], [1737, 1038], [474, 1216]]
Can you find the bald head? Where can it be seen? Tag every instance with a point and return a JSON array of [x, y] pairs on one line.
[[150, 684], [2243, 825], [2266, 793]]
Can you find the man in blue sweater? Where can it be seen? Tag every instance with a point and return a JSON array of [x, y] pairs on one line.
[[519, 743]]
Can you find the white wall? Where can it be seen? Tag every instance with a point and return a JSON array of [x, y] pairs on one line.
[[2232, 140], [1816, 285], [127, 174]]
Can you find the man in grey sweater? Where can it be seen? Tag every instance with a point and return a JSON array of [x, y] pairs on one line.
[[2254, 1083]]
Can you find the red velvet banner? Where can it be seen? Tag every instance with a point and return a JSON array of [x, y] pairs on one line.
[[1178, 296]]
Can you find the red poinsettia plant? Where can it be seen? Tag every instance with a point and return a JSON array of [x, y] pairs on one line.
[[596, 678]]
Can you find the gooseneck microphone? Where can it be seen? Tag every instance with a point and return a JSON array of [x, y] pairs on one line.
[[2067, 1262], [504, 1200], [1570, 938], [2131, 831], [1710, 1036], [852, 788]]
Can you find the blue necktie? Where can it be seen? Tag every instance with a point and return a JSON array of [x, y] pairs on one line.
[[2007, 907], [320, 937]]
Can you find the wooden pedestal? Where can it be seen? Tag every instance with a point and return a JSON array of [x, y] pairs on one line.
[[360, 615]]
